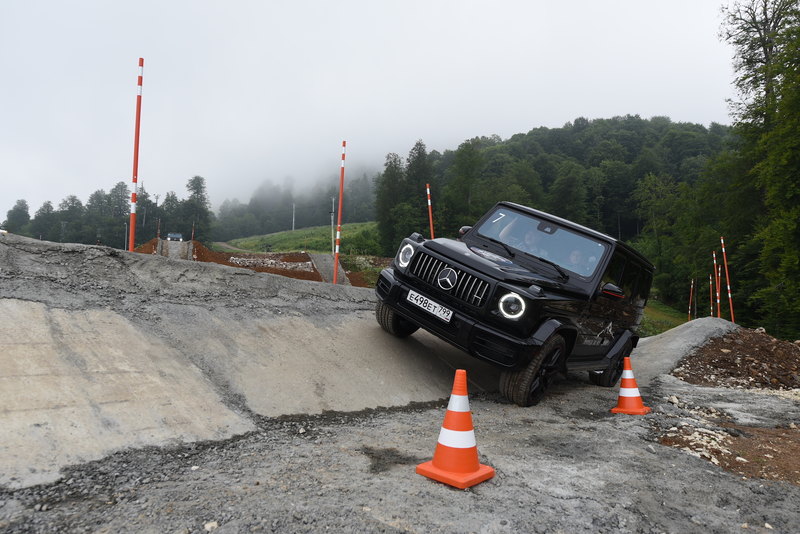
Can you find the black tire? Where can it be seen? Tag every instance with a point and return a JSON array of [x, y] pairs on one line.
[[609, 377], [392, 322], [527, 386]]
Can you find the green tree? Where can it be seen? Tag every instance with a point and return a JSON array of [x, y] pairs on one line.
[[777, 174], [462, 182], [419, 172], [17, 217], [567, 195], [43, 225], [388, 190], [197, 209], [755, 29]]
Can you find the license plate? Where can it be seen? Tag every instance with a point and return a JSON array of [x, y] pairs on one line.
[[429, 306]]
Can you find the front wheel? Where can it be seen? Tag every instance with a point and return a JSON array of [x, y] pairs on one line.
[[527, 386], [392, 322]]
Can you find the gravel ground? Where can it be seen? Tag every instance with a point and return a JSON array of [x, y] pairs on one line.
[[561, 467], [566, 465]]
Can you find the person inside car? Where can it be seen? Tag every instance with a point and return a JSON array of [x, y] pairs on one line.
[[532, 243]]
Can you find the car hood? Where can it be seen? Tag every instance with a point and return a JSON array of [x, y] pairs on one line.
[[495, 265]]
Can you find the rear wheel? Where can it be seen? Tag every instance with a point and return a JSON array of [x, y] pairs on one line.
[[527, 386], [392, 322], [609, 377]]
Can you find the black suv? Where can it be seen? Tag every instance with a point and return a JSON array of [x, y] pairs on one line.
[[526, 291]]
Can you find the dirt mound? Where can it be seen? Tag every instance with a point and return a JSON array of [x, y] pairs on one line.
[[750, 360], [296, 265], [744, 358]]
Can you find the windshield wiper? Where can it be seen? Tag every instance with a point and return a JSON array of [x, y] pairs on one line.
[[562, 272], [505, 246]]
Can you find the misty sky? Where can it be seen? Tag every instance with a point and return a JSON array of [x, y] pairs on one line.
[[245, 91]]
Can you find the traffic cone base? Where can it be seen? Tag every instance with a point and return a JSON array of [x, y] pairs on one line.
[[455, 461], [630, 401], [452, 478]]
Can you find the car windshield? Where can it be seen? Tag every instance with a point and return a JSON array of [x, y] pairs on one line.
[[570, 250]]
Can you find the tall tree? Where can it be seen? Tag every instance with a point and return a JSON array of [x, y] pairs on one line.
[[17, 217], [388, 190], [197, 208], [754, 28], [459, 194], [777, 174], [419, 172]]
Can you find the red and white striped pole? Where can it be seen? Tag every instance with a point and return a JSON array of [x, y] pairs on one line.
[[430, 209], [691, 292], [716, 277], [727, 278], [711, 295], [339, 220], [132, 240]]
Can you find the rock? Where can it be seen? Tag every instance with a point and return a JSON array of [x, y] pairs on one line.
[[211, 526]]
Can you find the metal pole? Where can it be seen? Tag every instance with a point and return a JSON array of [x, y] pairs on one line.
[[132, 240], [430, 210], [727, 278], [691, 292], [711, 295], [716, 277], [339, 220]]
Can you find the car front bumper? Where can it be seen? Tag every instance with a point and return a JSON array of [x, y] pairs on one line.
[[463, 331]]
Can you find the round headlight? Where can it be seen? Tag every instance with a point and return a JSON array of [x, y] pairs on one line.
[[511, 306], [404, 256]]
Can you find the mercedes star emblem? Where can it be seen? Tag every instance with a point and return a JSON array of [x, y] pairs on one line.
[[447, 278]]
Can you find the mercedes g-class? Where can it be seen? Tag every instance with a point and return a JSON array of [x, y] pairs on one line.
[[529, 292]]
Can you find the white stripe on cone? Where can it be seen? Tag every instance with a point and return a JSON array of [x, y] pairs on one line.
[[458, 439], [458, 403], [627, 374], [629, 392]]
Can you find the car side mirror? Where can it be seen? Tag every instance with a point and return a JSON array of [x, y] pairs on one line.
[[612, 291], [463, 231]]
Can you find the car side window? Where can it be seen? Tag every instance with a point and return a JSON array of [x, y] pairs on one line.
[[643, 289], [630, 279], [614, 270]]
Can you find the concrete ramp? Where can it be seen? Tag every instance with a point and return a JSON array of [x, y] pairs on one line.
[[296, 365], [181, 250], [102, 350], [75, 385]]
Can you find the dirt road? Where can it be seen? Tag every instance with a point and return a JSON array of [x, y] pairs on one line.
[[245, 402]]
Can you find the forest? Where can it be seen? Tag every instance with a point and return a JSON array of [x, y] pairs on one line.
[[670, 189]]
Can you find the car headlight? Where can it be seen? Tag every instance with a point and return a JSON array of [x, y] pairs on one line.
[[511, 306], [404, 256]]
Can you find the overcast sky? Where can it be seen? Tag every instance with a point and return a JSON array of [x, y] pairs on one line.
[[245, 91]]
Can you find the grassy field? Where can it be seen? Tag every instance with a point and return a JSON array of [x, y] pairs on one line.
[[313, 239], [659, 318]]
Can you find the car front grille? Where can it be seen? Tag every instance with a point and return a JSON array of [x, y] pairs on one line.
[[468, 288]]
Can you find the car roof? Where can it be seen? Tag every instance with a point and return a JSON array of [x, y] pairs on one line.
[[575, 226]]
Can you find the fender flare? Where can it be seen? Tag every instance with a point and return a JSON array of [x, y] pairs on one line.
[[619, 344], [545, 330]]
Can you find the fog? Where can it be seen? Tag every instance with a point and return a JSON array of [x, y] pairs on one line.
[[241, 92]]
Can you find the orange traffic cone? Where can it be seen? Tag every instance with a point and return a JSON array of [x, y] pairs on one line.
[[630, 402], [455, 461]]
